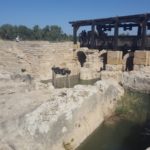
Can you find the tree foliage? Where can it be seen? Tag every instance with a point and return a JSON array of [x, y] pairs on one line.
[[49, 33]]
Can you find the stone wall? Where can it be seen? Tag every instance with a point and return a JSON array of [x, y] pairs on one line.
[[117, 62], [36, 58]]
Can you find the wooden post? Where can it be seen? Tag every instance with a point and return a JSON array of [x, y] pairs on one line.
[[75, 29], [116, 31], [139, 31], [143, 43], [92, 35]]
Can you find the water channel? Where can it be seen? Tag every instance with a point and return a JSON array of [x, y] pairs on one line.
[[127, 129]]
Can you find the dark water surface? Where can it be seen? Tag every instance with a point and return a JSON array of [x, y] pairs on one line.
[[124, 130]]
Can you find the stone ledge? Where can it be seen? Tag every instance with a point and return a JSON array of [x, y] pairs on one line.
[[67, 118]]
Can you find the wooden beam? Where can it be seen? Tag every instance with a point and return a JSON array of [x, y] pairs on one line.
[[122, 19]]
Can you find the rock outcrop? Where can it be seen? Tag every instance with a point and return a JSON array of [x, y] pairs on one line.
[[137, 80], [55, 119]]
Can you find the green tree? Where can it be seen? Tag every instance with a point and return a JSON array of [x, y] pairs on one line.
[[6, 31], [55, 33], [25, 33], [37, 33], [48, 33]]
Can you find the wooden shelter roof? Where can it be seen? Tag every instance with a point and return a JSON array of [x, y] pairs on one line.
[[120, 19]]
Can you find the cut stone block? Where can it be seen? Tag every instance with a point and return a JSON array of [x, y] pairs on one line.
[[114, 57], [142, 58], [88, 74]]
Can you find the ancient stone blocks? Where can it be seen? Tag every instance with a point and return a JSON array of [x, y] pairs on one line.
[[114, 61], [114, 67], [116, 75], [114, 57], [88, 74], [142, 58]]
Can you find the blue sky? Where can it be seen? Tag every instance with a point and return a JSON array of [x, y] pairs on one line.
[[60, 12]]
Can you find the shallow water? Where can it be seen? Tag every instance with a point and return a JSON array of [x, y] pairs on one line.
[[122, 131]]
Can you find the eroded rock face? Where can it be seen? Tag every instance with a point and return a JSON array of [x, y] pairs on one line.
[[56, 119], [133, 80], [116, 75], [137, 80]]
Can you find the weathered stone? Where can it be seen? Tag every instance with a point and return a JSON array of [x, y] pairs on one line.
[[138, 67], [93, 65], [35, 116], [114, 67], [137, 80], [67, 117], [116, 75], [142, 58], [89, 74], [36, 58], [114, 57]]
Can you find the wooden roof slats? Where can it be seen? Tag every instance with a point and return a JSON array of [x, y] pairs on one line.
[[121, 19]]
